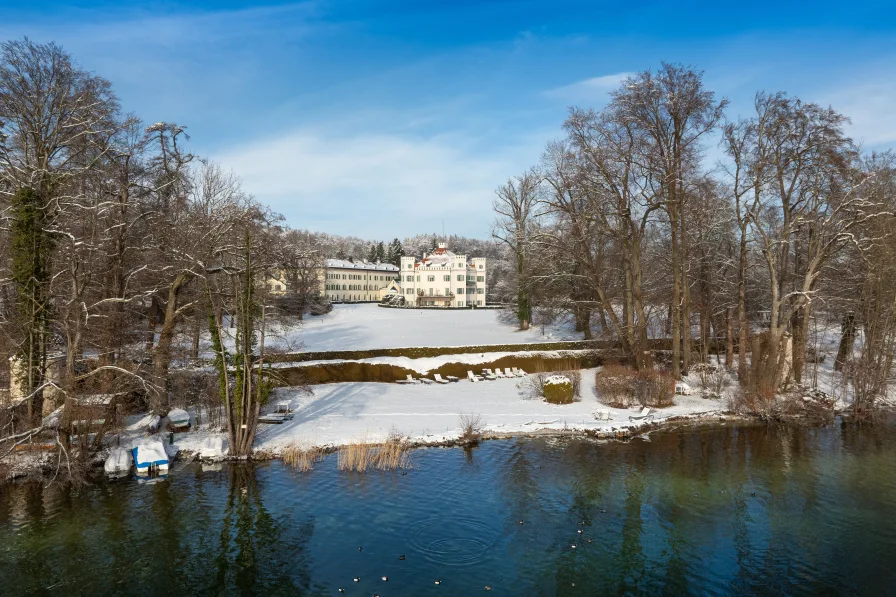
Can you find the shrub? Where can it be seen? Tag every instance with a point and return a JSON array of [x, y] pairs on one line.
[[714, 379], [621, 387], [471, 428], [558, 389]]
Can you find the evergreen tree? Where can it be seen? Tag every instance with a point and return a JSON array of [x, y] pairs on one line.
[[380, 252], [371, 254], [396, 252], [31, 250]]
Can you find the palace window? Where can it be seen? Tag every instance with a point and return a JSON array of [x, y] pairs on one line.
[[460, 290]]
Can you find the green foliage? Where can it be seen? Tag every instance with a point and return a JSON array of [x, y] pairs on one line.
[[395, 252], [220, 356], [558, 392], [32, 248]]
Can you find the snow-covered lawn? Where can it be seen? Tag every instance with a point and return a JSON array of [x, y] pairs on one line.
[[366, 326], [342, 413], [347, 412]]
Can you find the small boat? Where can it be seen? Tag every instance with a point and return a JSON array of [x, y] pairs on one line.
[[178, 419], [150, 457], [118, 462]]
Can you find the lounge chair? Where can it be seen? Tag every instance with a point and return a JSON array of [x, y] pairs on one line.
[[645, 415], [409, 380], [472, 377], [487, 374], [451, 378], [602, 415], [427, 381], [498, 373], [521, 373], [508, 372], [439, 379]]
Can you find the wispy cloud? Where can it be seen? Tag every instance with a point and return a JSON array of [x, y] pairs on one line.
[[588, 90], [869, 106], [375, 184]]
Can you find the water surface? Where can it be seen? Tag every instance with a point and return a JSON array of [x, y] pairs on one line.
[[714, 512]]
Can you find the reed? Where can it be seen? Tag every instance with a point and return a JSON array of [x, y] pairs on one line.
[[359, 456], [302, 458]]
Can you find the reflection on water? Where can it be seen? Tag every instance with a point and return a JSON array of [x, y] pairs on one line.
[[724, 512]]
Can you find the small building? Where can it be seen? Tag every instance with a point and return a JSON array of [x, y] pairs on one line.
[[443, 279], [357, 281]]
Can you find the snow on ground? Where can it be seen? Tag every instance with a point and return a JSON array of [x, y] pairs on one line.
[[367, 326], [348, 412]]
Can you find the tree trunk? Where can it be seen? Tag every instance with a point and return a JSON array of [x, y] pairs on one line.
[[742, 327], [847, 340], [162, 355], [676, 291], [729, 340]]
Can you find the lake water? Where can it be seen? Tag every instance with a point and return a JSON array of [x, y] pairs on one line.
[[728, 511]]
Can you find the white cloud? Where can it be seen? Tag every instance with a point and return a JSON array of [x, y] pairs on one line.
[[589, 90], [870, 108], [376, 185]]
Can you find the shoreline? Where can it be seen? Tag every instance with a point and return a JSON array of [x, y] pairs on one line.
[[44, 466], [41, 469]]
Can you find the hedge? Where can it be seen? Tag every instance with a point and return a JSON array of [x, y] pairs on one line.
[[418, 352]]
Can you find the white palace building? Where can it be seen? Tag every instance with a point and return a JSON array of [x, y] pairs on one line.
[[358, 281], [443, 279]]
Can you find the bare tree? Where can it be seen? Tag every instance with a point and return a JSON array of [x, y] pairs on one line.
[[515, 204]]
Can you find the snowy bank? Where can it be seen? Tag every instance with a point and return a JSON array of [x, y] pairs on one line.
[[342, 413]]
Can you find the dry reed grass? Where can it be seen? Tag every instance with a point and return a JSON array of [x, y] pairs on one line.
[[359, 456], [302, 458]]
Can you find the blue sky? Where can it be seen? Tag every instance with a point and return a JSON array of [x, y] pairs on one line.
[[388, 118]]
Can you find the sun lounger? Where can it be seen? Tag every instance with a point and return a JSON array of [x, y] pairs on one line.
[[521, 373], [645, 415], [508, 372], [411, 379], [472, 377], [451, 378], [427, 381], [602, 415], [498, 373], [439, 379], [487, 374]]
